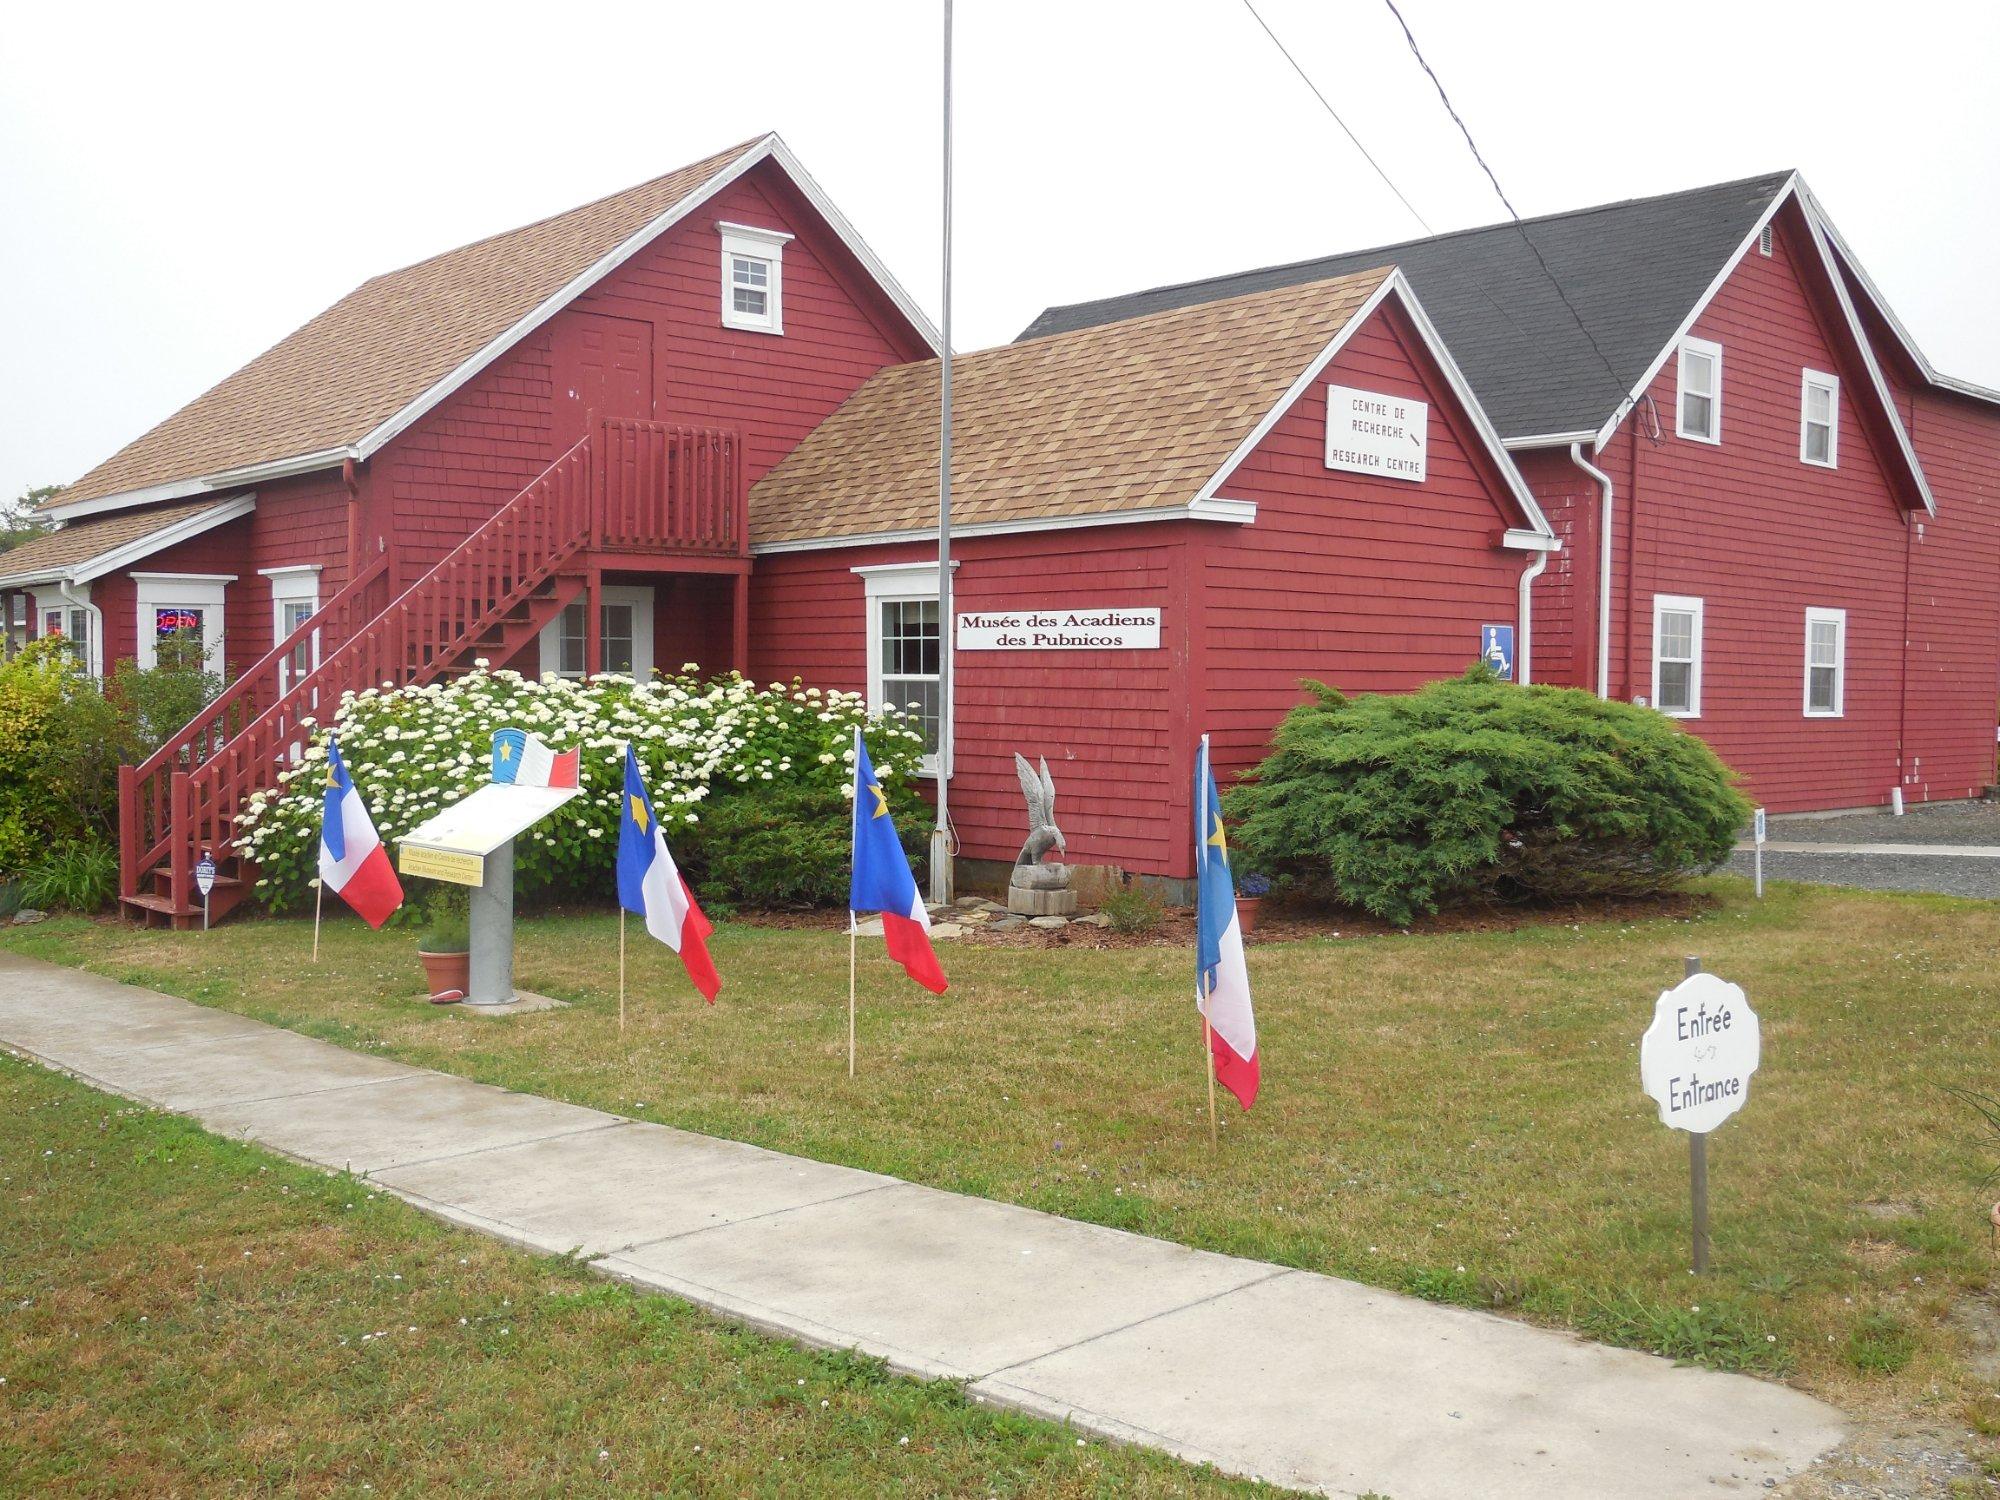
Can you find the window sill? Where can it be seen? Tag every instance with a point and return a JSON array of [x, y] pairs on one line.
[[1696, 437], [1682, 713], [1822, 713], [1817, 463], [776, 330]]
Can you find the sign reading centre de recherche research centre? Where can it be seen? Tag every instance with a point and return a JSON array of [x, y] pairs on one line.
[[1370, 433], [1106, 629], [1696, 1059]]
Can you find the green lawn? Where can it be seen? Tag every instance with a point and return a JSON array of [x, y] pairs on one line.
[[182, 1315], [1456, 1115]]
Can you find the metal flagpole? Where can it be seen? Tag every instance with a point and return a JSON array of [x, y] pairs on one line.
[[941, 881], [621, 972], [319, 896], [853, 928], [851, 938], [1201, 1000]]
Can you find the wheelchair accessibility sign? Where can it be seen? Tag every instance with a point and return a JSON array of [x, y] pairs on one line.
[[1496, 649]]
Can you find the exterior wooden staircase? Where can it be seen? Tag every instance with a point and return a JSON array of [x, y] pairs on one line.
[[625, 487]]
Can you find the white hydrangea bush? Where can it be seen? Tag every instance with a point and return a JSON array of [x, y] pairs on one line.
[[701, 742]]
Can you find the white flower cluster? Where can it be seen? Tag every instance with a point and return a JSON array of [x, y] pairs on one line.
[[412, 751]]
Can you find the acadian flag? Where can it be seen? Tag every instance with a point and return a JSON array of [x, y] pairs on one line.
[[1222, 982], [650, 885], [882, 881], [521, 759], [352, 862]]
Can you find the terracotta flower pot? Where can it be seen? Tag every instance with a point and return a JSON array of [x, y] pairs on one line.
[[1246, 913], [448, 974]]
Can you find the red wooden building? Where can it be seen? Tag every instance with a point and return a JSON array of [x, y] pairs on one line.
[[696, 421], [1780, 524]]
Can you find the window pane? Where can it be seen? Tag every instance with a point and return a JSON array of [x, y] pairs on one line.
[[1819, 442], [1698, 374], [1676, 678], [918, 696], [1825, 643], [747, 272], [1819, 403], [749, 302], [1820, 695], [617, 625], [569, 641], [1676, 636], [1697, 413]]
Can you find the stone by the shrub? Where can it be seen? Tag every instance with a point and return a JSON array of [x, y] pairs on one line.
[[28, 914], [1048, 924], [1095, 919], [947, 930]]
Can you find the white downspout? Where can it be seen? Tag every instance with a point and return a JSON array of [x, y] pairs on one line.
[[1603, 569], [94, 661], [1524, 648]]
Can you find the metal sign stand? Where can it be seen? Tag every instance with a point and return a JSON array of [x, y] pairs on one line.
[[1757, 838], [491, 967], [1698, 1165], [204, 879]]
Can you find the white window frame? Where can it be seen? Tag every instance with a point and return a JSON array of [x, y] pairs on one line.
[[1713, 353], [1810, 381], [203, 591], [1838, 619], [298, 584], [639, 596], [1664, 604], [51, 601], [764, 245], [886, 583]]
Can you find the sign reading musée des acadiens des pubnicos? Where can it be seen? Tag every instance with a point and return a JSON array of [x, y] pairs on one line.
[[1096, 629], [1370, 433]]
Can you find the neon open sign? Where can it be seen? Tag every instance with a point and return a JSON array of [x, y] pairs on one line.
[[173, 620]]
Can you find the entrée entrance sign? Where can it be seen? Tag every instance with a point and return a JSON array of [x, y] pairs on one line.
[[1696, 1059], [1096, 629]]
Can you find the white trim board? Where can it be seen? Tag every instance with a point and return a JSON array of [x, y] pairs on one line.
[[771, 146], [1230, 512], [1396, 285], [114, 558]]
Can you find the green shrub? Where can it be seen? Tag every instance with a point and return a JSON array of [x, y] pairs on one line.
[[60, 745], [156, 702], [1475, 790], [769, 768], [447, 918], [78, 876], [1133, 909]]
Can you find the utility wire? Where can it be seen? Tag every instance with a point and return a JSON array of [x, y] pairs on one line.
[[1327, 105], [1526, 238]]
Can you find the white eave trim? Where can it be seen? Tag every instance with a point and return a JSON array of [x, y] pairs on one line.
[[1794, 186], [1529, 541], [1233, 512], [771, 146], [127, 553], [1547, 440], [1396, 285]]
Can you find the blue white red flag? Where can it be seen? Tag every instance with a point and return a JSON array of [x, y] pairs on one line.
[[882, 881], [1222, 981], [522, 759], [352, 862], [650, 885]]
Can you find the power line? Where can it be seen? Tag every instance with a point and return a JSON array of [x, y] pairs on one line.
[[1501, 193], [1327, 105]]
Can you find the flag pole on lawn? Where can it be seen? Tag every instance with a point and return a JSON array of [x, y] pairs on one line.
[[853, 936], [319, 899], [940, 861], [621, 972], [853, 925], [1207, 1029]]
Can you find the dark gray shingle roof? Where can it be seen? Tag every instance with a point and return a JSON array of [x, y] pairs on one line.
[[1632, 270]]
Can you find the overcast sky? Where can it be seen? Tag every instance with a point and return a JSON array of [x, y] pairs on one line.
[[183, 185]]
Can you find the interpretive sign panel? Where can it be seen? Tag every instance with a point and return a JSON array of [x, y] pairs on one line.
[[1370, 433], [1097, 629], [482, 822]]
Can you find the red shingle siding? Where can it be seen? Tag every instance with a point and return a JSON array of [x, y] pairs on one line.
[[1109, 722], [1954, 657], [1565, 596], [1369, 584], [1760, 536]]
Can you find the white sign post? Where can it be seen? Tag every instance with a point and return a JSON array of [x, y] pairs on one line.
[[1695, 1062], [1370, 433], [1757, 837], [204, 880]]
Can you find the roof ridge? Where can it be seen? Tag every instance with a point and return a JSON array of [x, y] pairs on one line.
[[1778, 178], [729, 152]]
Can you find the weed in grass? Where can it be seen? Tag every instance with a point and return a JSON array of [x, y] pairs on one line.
[[1714, 1332], [1132, 909], [1456, 1287], [1880, 1344], [1777, 1285], [1982, 1415]]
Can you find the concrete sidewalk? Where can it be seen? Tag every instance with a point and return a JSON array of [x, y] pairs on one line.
[[1300, 1379]]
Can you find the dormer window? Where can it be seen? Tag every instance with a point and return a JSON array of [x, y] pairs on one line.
[[753, 278]]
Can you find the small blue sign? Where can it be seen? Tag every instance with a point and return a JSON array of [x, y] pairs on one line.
[[1496, 649]]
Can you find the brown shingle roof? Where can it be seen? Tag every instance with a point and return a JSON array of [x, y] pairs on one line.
[[80, 541], [1122, 417], [384, 344]]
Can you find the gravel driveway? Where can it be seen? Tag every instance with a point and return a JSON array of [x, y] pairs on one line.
[[1847, 861]]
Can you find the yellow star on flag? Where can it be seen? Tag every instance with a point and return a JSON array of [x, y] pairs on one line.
[[881, 801], [639, 817], [331, 779], [1218, 838], [506, 749]]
